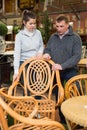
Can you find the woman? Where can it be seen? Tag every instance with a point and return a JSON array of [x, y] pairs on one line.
[[28, 42]]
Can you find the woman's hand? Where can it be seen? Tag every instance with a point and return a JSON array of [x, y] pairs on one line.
[[38, 56], [15, 77]]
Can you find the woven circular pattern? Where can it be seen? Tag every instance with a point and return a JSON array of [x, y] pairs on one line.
[[38, 76], [75, 110]]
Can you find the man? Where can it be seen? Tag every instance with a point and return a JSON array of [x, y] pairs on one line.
[[64, 48]]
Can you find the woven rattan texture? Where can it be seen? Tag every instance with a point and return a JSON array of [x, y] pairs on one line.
[[24, 105], [75, 109], [17, 108], [36, 78], [75, 87]]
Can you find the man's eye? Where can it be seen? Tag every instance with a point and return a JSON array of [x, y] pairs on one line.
[[32, 23]]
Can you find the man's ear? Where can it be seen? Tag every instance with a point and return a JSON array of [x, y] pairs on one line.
[[68, 25]]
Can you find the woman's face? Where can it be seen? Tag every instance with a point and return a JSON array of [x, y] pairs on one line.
[[31, 24]]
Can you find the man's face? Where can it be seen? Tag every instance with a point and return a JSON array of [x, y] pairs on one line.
[[61, 27]]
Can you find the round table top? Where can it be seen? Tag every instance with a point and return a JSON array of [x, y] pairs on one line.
[[75, 110]]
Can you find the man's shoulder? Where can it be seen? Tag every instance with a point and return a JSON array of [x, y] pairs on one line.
[[53, 35], [76, 34]]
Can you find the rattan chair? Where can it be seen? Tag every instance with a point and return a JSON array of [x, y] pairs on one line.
[[76, 86], [18, 108], [26, 105], [37, 78]]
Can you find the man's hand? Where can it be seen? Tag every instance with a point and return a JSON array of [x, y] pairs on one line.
[[56, 67], [47, 56]]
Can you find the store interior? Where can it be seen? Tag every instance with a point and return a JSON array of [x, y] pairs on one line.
[[46, 12]]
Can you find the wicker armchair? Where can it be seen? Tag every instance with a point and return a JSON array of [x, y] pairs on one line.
[[76, 86], [18, 108], [26, 105], [37, 78]]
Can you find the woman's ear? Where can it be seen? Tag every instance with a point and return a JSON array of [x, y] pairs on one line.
[[23, 22]]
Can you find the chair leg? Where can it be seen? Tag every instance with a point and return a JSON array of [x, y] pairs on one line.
[[3, 120], [68, 124]]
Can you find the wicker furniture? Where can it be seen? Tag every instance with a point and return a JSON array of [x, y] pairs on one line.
[[82, 65], [38, 78], [75, 111], [22, 104], [75, 87], [18, 108]]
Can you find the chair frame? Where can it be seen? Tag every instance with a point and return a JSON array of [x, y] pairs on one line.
[[71, 88], [24, 122], [40, 69]]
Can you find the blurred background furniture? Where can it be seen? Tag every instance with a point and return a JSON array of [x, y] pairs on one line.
[[83, 51], [5, 72], [75, 112], [9, 45], [82, 65], [6, 67], [83, 62], [38, 81], [18, 109]]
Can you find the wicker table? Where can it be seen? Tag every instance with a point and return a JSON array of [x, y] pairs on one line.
[[75, 110]]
